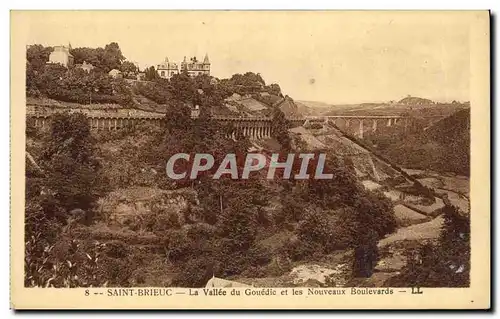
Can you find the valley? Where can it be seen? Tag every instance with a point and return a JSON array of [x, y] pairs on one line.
[[102, 211]]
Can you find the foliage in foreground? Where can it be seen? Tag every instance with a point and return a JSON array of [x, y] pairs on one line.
[[63, 194], [443, 264]]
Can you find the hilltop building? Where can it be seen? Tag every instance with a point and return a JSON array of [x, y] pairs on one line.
[[193, 68], [167, 69], [61, 55]]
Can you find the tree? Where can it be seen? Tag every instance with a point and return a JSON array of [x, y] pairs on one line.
[[184, 88], [128, 66], [69, 159], [151, 74], [317, 227], [37, 55], [279, 129], [72, 182], [274, 89], [248, 79], [365, 216], [48, 82], [31, 81], [365, 253], [237, 226], [103, 59], [454, 246], [178, 118], [112, 57], [195, 273], [76, 85], [93, 56], [213, 95]]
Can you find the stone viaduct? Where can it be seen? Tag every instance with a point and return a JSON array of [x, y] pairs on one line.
[[357, 125], [253, 127]]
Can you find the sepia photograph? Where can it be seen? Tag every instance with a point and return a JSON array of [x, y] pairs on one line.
[[319, 150]]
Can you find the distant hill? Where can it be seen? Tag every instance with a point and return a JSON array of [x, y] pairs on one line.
[[415, 101], [311, 108], [316, 108], [409, 106], [315, 104]]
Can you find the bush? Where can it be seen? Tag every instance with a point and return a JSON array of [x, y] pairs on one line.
[[66, 263], [318, 227], [315, 126], [177, 246], [159, 92], [293, 209], [195, 273], [118, 271], [116, 249], [161, 222], [300, 250]]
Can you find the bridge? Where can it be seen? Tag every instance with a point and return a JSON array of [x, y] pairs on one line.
[[358, 125], [104, 120], [252, 127]]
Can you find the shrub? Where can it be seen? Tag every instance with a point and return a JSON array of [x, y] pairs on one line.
[[318, 227], [300, 250], [195, 273], [116, 249], [177, 246], [315, 126], [67, 263], [293, 209]]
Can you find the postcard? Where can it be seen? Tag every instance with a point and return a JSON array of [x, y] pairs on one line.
[[250, 160]]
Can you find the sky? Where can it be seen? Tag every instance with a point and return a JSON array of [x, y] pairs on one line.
[[332, 57]]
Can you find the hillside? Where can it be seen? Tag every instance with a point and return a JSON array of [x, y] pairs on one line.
[[444, 146], [367, 165], [112, 82], [157, 95]]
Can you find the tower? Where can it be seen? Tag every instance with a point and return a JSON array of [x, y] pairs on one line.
[[206, 65]]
